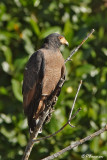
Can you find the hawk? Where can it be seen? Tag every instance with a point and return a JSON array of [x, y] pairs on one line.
[[42, 73]]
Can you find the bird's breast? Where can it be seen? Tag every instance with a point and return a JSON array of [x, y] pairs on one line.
[[52, 72]]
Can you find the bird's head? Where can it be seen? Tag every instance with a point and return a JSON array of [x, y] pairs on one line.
[[54, 41]]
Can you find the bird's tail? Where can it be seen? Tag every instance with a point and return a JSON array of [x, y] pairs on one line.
[[33, 112]]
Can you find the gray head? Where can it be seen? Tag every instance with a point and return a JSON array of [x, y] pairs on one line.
[[54, 41]]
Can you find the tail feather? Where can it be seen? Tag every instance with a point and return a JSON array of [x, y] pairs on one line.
[[29, 112], [33, 125], [33, 112]]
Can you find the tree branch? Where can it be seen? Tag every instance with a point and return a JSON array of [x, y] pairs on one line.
[[76, 49], [51, 135], [69, 120], [75, 100], [34, 135], [77, 143]]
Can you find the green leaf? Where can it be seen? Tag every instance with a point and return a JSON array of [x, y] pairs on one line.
[[22, 139], [16, 87], [68, 31], [84, 69], [101, 32], [49, 31], [95, 144], [35, 27], [22, 62], [28, 44], [8, 54], [3, 91], [7, 133]]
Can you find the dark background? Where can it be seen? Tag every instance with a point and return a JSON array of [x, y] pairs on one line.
[[23, 25]]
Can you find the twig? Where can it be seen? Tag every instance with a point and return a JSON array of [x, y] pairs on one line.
[[77, 143], [51, 135], [75, 100], [76, 49]]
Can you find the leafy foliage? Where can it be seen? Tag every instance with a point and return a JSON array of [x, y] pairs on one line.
[[23, 25]]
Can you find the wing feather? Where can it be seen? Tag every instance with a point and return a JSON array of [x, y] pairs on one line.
[[33, 76]]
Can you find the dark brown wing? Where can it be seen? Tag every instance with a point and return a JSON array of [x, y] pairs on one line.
[[33, 76]]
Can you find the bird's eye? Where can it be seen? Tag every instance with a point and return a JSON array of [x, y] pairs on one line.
[[60, 37]]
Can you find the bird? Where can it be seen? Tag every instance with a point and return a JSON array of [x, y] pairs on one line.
[[42, 74]]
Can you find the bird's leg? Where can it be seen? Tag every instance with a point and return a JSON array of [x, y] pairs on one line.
[[61, 82], [39, 111], [50, 104], [41, 107], [48, 118]]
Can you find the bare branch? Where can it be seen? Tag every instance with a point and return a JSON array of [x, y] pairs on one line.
[[75, 100], [76, 49], [51, 135], [77, 143]]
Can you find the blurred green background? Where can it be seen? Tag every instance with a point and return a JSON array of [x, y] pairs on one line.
[[23, 25]]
